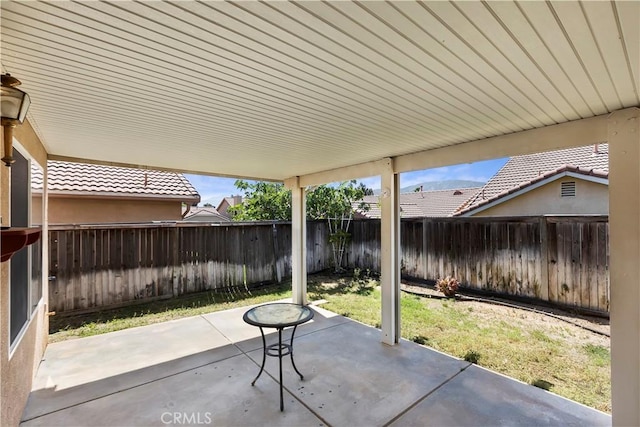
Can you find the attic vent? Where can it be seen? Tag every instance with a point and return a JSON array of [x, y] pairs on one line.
[[568, 189]]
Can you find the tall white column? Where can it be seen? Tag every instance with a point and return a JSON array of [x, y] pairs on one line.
[[624, 267], [390, 251], [298, 241]]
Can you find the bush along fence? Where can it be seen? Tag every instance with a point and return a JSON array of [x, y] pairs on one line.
[[562, 260]]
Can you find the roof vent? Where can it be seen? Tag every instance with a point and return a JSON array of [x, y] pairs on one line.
[[568, 189], [457, 193]]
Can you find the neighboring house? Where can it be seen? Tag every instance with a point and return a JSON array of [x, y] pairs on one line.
[[439, 203], [81, 193], [574, 181], [226, 203], [204, 214]]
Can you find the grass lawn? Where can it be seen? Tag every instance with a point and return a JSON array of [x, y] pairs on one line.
[[68, 327], [527, 346]]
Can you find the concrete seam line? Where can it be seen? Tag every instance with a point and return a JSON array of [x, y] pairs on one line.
[[420, 400]]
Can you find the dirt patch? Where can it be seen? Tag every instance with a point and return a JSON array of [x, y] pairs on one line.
[[576, 329]]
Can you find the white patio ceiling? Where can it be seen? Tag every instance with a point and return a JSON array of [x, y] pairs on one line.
[[274, 90]]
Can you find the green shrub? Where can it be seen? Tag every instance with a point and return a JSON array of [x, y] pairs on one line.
[[472, 356]]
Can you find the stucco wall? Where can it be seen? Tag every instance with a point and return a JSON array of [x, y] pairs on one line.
[[17, 370], [77, 210], [591, 198]]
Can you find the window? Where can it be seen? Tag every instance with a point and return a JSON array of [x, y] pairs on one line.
[[19, 264], [568, 189], [25, 265]]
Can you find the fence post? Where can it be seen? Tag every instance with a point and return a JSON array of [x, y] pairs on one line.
[[175, 252], [275, 254], [425, 267], [544, 260]]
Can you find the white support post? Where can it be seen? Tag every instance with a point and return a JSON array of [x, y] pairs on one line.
[[390, 251], [624, 273], [298, 241]]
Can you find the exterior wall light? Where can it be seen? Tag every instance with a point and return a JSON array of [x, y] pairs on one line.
[[14, 105]]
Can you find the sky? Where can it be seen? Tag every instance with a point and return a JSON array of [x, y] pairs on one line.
[[213, 190]]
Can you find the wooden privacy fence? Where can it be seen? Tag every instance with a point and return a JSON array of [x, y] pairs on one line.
[[562, 260], [107, 265]]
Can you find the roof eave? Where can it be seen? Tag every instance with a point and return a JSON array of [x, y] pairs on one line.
[[127, 196]]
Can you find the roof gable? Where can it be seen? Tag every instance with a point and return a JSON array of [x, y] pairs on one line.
[[522, 171], [205, 214], [566, 171]]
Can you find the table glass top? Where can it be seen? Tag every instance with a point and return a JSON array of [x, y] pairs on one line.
[[278, 314]]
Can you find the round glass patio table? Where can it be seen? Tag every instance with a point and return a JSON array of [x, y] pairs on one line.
[[278, 316]]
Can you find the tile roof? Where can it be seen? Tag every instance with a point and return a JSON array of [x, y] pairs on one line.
[[522, 171], [438, 203], [99, 180], [205, 214]]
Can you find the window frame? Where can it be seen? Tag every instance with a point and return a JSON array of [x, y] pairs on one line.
[[32, 306]]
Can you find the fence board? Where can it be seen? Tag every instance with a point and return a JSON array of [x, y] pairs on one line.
[[603, 266]]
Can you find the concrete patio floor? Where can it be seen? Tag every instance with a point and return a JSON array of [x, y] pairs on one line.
[[198, 371]]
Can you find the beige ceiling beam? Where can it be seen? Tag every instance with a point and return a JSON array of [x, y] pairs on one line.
[[565, 135], [576, 133], [361, 170]]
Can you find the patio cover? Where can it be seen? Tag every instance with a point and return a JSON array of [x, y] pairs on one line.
[[314, 92], [220, 87]]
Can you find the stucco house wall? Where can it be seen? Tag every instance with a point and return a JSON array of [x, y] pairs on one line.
[[84, 193], [76, 210], [590, 198], [19, 364]]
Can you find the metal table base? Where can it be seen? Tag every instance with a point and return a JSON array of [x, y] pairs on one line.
[[278, 350], [278, 315]]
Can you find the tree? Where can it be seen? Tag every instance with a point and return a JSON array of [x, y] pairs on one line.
[[262, 201], [365, 190], [271, 201], [335, 204]]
